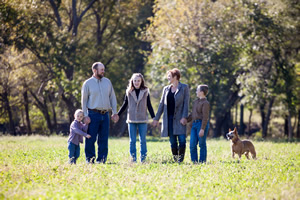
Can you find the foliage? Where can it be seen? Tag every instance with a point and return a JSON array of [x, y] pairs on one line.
[[246, 51], [64, 38], [270, 57], [36, 168], [241, 49], [202, 39]]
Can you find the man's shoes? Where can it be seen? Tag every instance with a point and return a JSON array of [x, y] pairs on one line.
[[90, 161]]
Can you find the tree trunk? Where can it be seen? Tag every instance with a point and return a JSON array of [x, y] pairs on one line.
[[12, 129], [26, 105], [44, 109], [74, 18], [223, 119], [262, 113], [286, 126], [242, 125], [295, 125], [227, 123], [48, 118], [45, 112], [53, 113], [236, 114], [223, 123], [70, 105], [298, 126], [218, 127], [69, 70], [249, 122], [265, 127], [290, 127]]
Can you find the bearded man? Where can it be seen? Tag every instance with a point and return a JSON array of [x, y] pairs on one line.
[[98, 99]]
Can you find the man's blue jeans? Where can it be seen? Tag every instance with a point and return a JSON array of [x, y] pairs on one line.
[[132, 128], [174, 139], [99, 130], [74, 152], [202, 142]]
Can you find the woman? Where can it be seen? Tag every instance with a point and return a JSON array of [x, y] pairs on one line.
[[138, 100], [174, 104]]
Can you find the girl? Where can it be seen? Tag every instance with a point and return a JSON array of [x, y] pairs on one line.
[[138, 100], [77, 131]]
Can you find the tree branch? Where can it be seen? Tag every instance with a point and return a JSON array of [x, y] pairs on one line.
[[86, 9], [56, 13]]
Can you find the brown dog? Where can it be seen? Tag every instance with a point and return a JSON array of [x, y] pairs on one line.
[[240, 147]]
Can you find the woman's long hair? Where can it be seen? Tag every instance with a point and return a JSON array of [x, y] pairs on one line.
[[130, 86]]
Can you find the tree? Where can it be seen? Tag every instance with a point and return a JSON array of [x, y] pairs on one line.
[[7, 82], [197, 37], [66, 37], [269, 64], [240, 48]]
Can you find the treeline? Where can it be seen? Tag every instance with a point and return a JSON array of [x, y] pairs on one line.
[[246, 51], [48, 48]]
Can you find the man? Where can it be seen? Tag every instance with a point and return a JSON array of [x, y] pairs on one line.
[[97, 99]]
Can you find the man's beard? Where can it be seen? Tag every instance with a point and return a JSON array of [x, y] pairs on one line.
[[99, 76]]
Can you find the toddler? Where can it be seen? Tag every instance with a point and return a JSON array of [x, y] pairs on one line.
[[77, 131]]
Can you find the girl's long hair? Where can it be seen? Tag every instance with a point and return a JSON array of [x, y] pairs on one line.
[[130, 86]]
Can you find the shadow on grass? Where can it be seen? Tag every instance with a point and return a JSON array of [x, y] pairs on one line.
[[268, 139], [230, 161], [149, 139], [281, 140]]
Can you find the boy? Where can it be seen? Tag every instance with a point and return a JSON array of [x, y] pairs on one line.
[[199, 131], [77, 131]]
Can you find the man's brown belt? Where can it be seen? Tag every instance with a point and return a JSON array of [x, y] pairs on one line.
[[99, 111]]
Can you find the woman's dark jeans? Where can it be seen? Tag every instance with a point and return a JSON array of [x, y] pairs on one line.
[[174, 139]]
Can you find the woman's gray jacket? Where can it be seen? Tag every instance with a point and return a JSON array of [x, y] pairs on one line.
[[182, 97]]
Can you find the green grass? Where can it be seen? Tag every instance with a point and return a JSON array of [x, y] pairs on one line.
[[36, 168]]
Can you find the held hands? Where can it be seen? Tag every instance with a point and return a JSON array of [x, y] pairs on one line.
[[183, 121], [87, 120], [154, 123], [201, 133], [88, 136], [115, 118]]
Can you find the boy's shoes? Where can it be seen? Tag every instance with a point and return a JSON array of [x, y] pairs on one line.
[[72, 161], [133, 160], [102, 161]]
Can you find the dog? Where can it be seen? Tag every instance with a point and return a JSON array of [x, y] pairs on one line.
[[239, 146]]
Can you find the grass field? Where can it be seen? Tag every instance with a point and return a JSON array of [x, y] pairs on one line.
[[36, 167]]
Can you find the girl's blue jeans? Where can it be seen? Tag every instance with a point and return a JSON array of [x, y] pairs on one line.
[[74, 152], [195, 139], [142, 128]]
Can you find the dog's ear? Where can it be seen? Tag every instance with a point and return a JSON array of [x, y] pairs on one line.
[[229, 130], [235, 131]]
